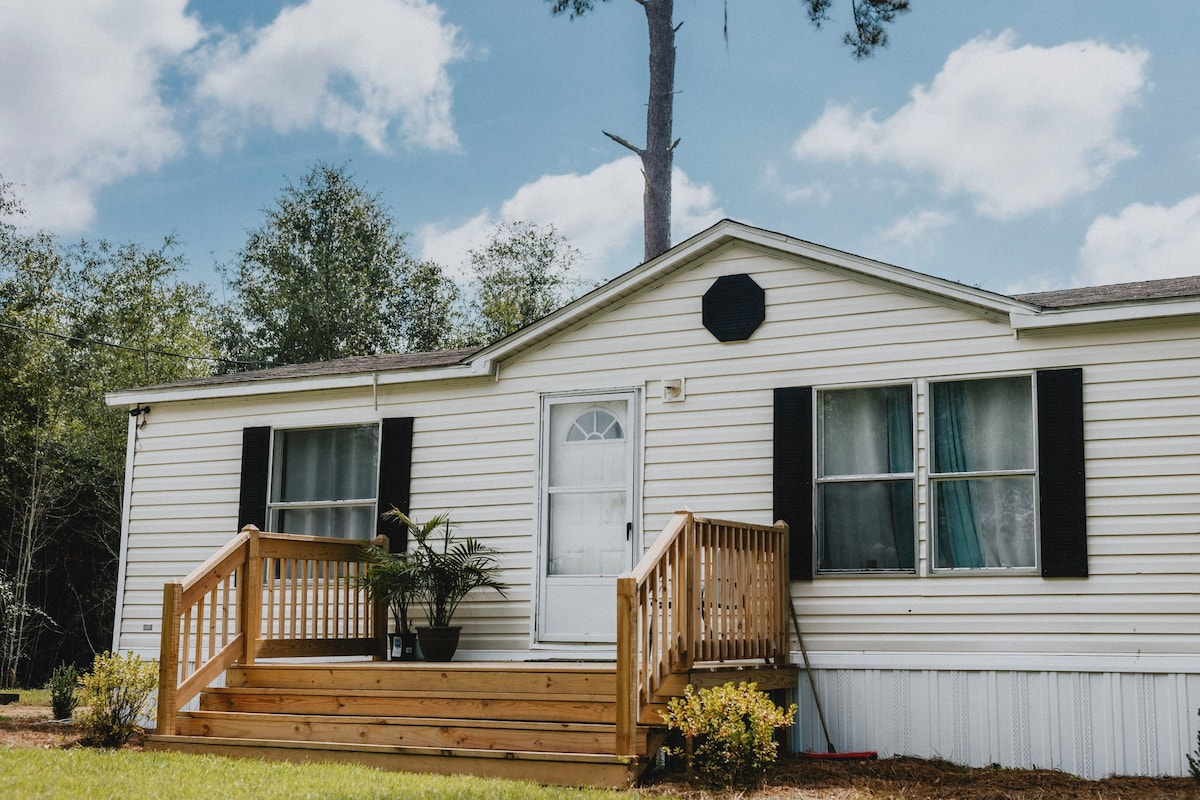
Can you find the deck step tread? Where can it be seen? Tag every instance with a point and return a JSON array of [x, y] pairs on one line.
[[350, 719], [565, 769], [460, 752], [591, 697]]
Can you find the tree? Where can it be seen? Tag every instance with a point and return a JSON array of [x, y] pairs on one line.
[[325, 277], [75, 323], [522, 274], [869, 33]]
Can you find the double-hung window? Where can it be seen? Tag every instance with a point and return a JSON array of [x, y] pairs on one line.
[[983, 474], [865, 479], [324, 481], [1001, 461]]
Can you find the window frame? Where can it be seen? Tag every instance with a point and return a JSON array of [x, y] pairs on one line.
[[819, 479], [275, 507], [932, 478]]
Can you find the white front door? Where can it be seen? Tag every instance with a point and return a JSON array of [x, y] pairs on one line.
[[587, 520]]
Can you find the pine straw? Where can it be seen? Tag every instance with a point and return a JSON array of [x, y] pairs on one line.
[[923, 779]]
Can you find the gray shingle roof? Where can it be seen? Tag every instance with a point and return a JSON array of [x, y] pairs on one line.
[[340, 366], [1115, 293]]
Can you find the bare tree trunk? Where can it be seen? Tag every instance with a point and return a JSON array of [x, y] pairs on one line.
[[658, 155]]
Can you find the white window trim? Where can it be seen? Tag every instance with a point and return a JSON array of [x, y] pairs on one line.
[[934, 477], [274, 506], [819, 480]]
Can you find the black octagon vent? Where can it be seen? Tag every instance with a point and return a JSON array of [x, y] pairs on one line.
[[734, 307]]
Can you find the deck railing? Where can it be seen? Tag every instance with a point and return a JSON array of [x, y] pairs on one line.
[[263, 595], [707, 590]]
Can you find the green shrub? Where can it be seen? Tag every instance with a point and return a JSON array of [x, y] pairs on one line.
[[116, 694], [64, 680], [1194, 760], [728, 732]]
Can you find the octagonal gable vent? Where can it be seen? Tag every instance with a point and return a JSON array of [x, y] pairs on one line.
[[734, 307]]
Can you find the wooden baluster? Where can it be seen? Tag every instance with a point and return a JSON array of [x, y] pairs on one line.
[[212, 623]]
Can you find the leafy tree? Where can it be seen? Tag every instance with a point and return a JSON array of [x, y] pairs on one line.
[[75, 323], [522, 274], [327, 276], [870, 20]]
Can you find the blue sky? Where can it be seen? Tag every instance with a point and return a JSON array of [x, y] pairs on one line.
[[1022, 145]]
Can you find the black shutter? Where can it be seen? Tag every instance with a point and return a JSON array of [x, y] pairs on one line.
[[252, 497], [395, 472], [793, 474], [1061, 489]]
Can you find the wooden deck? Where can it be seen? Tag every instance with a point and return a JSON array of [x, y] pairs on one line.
[[594, 724]]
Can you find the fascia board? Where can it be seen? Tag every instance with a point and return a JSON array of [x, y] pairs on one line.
[[631, 282], [888, 275], [1131, 312], [478, 368]]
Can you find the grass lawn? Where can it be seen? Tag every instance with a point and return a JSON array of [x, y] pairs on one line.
[[87, 774]]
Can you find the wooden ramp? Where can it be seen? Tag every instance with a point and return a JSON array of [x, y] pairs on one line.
[[548, 722]]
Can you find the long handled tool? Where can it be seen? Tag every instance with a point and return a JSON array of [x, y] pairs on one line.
[[832, 751]]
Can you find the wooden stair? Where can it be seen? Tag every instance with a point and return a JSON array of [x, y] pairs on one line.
[[546, 722]]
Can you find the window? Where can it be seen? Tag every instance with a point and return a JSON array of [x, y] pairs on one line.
[[983, 474], [1006, 487], [595, 425], [323, 481], [865, 479]]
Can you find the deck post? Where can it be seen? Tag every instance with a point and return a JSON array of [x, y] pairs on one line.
[[250, 591], [627, 673], [168, 658]]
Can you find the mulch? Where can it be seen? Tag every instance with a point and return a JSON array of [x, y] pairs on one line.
[[906, 778]]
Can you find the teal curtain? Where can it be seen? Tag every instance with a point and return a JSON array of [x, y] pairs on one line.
[[958, 542]]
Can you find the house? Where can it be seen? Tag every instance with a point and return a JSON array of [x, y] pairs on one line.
[[993, 501]]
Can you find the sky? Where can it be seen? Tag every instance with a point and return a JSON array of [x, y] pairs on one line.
[[1016, 146]]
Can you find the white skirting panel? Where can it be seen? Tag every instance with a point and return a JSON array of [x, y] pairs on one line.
[[1091, 724]]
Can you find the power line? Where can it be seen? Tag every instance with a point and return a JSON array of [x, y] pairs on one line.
[[129, 348]]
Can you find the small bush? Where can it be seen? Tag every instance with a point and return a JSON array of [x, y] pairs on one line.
[[1194, 760], [728, 731], [117, 694], [64, 680]]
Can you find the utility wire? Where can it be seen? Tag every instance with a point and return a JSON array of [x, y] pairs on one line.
[[142, 350]]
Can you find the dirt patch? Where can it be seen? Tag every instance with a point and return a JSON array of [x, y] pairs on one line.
[[798, 778], [33, 726]]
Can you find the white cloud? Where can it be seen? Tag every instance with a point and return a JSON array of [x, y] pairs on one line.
[[600, 214], [917, 228], [79, 90], [818, 192], [1142, 242], [351, 67], [1018, 129]]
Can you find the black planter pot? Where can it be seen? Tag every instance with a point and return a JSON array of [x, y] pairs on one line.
[[403, 646], [439, 644]]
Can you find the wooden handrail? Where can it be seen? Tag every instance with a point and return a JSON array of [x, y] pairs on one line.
[[706, 590], [263, 595]]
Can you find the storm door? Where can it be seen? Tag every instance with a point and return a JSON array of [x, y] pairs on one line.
[[587, 515]]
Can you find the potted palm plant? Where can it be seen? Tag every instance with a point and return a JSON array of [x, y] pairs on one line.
[[448, 568], [393, 579]]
